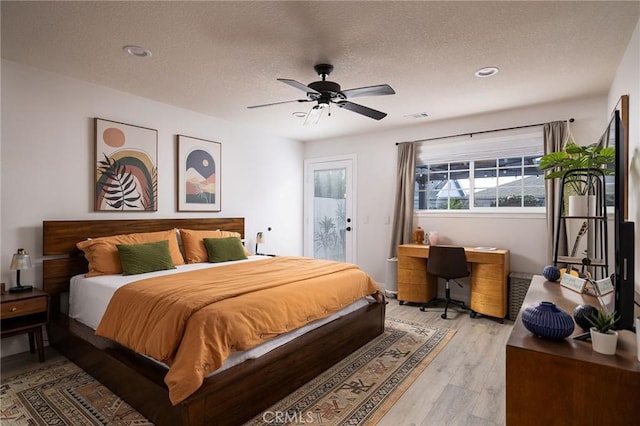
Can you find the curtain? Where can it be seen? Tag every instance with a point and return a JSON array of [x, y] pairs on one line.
[[402, 230], [556, 134]]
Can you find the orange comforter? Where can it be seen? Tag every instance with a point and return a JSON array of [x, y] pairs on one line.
[[192, 321]]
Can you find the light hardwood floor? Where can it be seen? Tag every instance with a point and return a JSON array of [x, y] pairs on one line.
[[463, 385]]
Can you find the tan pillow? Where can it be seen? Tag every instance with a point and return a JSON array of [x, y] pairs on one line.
[[102, 253], [193, 243]]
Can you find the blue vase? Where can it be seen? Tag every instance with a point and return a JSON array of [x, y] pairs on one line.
[[548, 321], [581, 314]]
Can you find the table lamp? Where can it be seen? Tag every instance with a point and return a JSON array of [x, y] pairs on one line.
[[259, 240], [20, 260]]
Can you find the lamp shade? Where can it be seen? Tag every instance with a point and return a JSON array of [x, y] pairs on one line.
[[259, 238], [20, 260]]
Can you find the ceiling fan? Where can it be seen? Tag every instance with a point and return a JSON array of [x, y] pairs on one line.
[[326, 92]]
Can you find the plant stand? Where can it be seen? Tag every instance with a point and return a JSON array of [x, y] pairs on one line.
[[586, 227]]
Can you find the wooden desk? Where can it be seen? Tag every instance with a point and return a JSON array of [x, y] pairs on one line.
[[489, 278], [565, 382]]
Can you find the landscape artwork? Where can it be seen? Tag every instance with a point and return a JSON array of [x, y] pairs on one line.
[[126, 174], [198, 174]]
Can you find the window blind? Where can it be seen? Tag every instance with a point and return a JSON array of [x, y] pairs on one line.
[[486, 146]]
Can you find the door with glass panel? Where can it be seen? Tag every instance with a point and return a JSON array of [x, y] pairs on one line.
[[329, 224]]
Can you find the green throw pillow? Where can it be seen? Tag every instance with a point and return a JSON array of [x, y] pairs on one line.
[[145, 257], [224, 249]]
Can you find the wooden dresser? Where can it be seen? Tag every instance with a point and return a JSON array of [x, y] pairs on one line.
[[565, 382], [489, 278]]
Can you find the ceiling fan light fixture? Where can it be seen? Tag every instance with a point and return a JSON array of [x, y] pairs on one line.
[[487, 72], [137, 51], [314, 115], [417, 115]]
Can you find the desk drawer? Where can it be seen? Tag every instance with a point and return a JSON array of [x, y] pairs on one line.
[[494, 306], [416, 263], [412, 275], [415, 292], [23, 307]]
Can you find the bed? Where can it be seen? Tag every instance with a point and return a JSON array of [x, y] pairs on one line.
[[229, 397]]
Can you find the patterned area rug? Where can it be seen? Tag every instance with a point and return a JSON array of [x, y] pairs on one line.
[[363, 387], [357, 391], [57, 392]]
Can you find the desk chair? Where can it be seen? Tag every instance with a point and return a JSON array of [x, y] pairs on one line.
[[449, 263]]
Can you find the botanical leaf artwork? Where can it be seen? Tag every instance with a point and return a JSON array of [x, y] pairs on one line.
[[126, 172]]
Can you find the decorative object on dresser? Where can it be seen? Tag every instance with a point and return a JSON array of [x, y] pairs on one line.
[[199, 174], [551, 272], [581, 315], [126, 164], [604, 338], [546, 320], [20, 260], [25, 312]]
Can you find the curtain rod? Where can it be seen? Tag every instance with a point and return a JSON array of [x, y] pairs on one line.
[[571, 120]]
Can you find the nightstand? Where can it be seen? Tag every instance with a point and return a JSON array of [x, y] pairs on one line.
[[25, 313]]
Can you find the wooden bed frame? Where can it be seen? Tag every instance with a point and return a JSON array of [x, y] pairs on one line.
[[229, 398]]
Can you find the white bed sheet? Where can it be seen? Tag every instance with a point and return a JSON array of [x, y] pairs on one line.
[[89, 297]]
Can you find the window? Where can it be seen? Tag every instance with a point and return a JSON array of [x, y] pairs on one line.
[[495, 171]]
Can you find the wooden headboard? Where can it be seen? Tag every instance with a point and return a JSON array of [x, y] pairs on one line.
[[59, 238]]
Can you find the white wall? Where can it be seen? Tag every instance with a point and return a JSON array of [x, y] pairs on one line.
[[525, 236], [48, 165], [627, 82]]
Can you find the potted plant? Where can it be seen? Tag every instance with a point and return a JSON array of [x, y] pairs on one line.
[[603, 338], [576, 157], [577, 163]]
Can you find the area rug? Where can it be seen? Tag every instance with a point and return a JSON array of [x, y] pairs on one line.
[[57, 392], [364, 386], [359, 390]]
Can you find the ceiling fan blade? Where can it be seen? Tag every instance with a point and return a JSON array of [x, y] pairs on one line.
[[278, 103], [371, 113], [379, 90], [298, 85]]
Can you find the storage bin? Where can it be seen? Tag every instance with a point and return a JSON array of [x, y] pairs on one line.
[[518, 285]]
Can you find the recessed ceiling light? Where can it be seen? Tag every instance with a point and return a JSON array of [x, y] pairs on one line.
[[137, 51], [487, 72], [299, 114]]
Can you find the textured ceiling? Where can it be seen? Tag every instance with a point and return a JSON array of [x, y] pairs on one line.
[[217, 58]]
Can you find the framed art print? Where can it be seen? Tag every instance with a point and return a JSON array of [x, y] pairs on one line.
[[126, 174], [199, 168]]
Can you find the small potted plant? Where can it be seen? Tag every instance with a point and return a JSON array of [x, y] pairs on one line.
[[603, 338]]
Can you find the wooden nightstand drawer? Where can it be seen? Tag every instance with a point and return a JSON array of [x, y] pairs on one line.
[[16, 308]]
